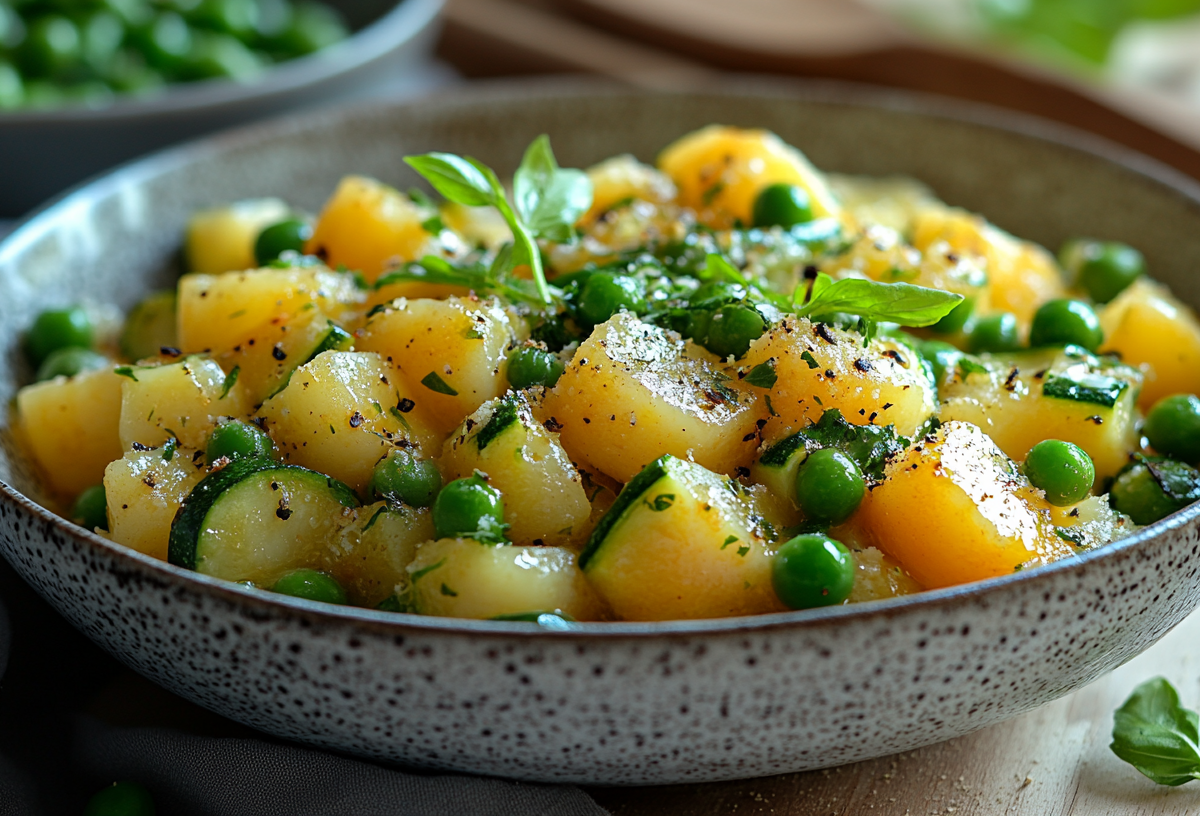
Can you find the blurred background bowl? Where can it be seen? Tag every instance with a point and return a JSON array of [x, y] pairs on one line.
[[46, 151]]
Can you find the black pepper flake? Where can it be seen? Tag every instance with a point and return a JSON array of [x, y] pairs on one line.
[[278, 353], [862, 411], [552, 425], [897, 356], [587, 421], [825, 334], [261, 422], [138, 446], [356, 419], [863, 365], [742, 471], [169, 351], [284, 512], [1010, 382], [762, 423], [406, 405], [1074, 513], [872, 417], [749, 437], [829, 373], [887, 405], [1098, 420]]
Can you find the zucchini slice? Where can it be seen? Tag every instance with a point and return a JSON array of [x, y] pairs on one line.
[[255, 519], [682, 542]]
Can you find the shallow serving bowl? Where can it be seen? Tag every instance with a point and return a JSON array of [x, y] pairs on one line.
[[44, 152], [607, 703]]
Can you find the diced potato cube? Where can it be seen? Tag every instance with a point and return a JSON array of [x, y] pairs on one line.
[[182, 400], [955, 509], [1149, 327], [462, 578], [265, 362], [890, 201], [219, 312], [455, 352], [819, 367], [72, 427], [370, 559], [145, 490], [366, 225], [876, 577], [222, 239], [633, 392], [721, 170], [1022, 274], [623, 177], [1023, 399], [342, 413], [543, 493]]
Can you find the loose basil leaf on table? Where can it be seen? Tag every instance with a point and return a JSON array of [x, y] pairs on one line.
[[1154, 733]]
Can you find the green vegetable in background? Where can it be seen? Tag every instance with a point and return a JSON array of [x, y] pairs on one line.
[[1157, 735]]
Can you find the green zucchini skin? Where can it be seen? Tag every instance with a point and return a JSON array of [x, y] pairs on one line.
[[628, 496], [189, 522]]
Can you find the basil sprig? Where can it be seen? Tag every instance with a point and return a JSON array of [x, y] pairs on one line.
[[1157, 735], [870, 301], [549, 199]]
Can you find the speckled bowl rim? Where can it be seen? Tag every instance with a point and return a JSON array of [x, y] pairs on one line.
[[370, 43], [515, 91]]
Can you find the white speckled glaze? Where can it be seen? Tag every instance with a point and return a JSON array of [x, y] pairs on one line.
[[608, 703]]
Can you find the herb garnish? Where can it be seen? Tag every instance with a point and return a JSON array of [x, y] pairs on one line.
[[1157, 735]]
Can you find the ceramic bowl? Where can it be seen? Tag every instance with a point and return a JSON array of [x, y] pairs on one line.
[[616, 703], [47, 151]]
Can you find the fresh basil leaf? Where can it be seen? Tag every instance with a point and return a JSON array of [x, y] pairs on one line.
[[435, 383], [901, 303], [1157, 735], [763, 375], [550, 199], [458, 179]]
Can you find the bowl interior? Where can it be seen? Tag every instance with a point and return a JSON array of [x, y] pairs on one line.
[[119, 237]]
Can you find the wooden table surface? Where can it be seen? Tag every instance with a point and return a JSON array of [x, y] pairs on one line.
[[1051, 762]]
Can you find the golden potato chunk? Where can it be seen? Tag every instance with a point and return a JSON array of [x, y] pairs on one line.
[[819, 367], [72, 427], [1150, 328], [721, 170], [342, 413], [371, 556], [621, 178], [955, 509], [1022, 275], [145, 490], [1023, 399], [219, 312], [633, 392], [367, 225], [455, 352], [183, 400], [222, 239], [543, 493], [462, 578]]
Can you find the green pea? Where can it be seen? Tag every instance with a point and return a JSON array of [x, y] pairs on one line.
[[782, 205], [731, 330], [467, 506], [957, 318], [405, 477], [167, 41], [12, 28], [279, 238], [532, 366], [1066, 323], [1103, 268], [274, 18], [58, 328], [70, 361], [314, 26], [1148, 491], [994, 333], [605, 294], [236, 17], [220, 56], [812, 570], [1063, 470], [1173, 427], [91, 508], [238, 440], [312, 585], [133, 13], [12, 87], [121, 799], [103, 33], [829, 486], [52, 46]]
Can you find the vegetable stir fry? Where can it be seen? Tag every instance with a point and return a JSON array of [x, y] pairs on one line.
[[724, 385]]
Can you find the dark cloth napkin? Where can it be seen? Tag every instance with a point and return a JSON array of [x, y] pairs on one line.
[[73, 720]]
